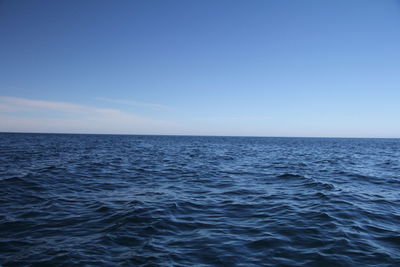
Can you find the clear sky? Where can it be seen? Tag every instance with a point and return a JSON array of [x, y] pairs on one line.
[[205, 67]]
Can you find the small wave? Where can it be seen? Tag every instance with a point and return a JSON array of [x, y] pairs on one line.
[[265, 243], [393, 239], [320, 185], [291, 175]]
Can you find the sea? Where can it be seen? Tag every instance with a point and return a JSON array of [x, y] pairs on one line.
[[131, 200]]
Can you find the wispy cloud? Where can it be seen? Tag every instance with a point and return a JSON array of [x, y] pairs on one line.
[[23, 114], [16, 104], [234, 118], [132, 103]]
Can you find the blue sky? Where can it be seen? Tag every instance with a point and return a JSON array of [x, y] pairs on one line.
[[259, 68]]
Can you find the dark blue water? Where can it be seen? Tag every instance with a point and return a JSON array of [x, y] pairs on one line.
[[106, 200]]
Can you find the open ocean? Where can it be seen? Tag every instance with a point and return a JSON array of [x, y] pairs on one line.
[[106, 200]]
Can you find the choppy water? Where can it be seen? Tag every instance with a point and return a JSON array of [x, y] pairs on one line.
[[203, 201]]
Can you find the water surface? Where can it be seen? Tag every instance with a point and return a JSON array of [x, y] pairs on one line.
[[107, 200]]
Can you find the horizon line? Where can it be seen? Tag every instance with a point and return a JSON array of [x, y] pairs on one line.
[[205, 135]]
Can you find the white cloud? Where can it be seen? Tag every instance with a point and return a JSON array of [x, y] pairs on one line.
[[234, 119], [29, 115], [15, 104], [132, 103]]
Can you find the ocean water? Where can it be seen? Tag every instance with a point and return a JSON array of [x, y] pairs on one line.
[[106, 200]]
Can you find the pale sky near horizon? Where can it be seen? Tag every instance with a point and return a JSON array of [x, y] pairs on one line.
[[252, 68]]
